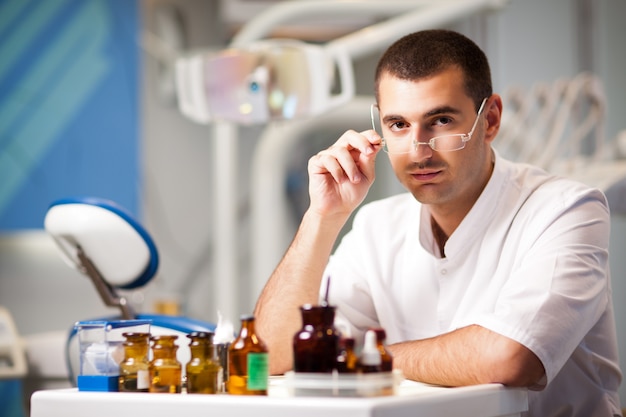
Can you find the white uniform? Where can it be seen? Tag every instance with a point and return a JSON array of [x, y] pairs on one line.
[[529, 261]]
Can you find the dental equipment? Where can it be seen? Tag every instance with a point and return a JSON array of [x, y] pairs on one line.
[[559, 126], [103, 241], [267, 80]]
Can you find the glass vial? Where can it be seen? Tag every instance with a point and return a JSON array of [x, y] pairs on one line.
[[386, 359], [347, 359], [316, 344], [134, 375], [248, 365], [204, 374], [165, 370], [224, 336]]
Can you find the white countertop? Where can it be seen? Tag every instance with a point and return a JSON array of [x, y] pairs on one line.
[[411, 398]]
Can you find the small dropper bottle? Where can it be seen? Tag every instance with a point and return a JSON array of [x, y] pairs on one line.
[[370, 360]]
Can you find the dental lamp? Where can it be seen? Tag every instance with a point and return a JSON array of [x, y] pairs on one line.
[[104, 242], [263, 81]]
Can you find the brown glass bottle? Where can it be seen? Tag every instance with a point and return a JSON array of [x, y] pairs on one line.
[[165, 370], [134, 375], [248, 365], [347, 359], [386, 359], [316, 344], [204, 374]]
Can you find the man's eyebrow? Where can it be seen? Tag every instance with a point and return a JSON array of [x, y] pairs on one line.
[[442, 110], [392, 118], [433, 112]]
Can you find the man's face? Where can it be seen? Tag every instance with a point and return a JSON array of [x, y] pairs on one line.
[[432, 107]]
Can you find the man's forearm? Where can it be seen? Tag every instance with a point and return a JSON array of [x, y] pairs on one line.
[[296, 281], [467, 356]]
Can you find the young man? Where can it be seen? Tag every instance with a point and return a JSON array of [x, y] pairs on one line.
[[485, 271]]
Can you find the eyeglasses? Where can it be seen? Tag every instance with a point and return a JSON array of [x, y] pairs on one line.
[[399, 144]]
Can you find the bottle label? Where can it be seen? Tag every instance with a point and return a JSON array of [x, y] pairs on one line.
[[258, 371], [143, 379]]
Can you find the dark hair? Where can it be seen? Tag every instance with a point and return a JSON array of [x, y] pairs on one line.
[[426, 53]]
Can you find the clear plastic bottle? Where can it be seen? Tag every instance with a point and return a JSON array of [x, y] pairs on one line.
[[204, 373], [165, 370], [248, 366], [134, 374]]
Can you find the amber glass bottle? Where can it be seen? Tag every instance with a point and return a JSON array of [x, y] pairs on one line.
[[204, 374], [316, 344], [134, 375], [386, 359], [347, 359], [248, 366], [165, 370]]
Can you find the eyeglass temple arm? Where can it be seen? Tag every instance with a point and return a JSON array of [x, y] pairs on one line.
[[480, 110]]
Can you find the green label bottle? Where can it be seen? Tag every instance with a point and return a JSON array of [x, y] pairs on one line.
[[248, 365]]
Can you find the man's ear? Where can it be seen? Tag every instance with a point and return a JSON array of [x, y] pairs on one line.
[[493, 116]]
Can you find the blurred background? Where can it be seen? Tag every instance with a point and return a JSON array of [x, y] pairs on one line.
[[89, 107]]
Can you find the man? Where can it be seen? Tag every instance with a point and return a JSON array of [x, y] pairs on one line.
[[486, 271]]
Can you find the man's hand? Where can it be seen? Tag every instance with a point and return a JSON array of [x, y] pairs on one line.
[[340, 176]]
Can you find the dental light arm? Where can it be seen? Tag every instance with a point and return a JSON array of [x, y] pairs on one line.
[[404, 16]]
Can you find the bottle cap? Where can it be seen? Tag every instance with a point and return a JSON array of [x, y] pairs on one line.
[[201, 335]]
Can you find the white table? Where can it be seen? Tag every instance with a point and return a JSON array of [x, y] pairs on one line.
[[411, 399]]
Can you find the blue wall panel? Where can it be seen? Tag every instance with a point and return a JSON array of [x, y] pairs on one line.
[[69, 115]]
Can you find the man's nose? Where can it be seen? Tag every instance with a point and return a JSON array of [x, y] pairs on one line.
[[421, 150]]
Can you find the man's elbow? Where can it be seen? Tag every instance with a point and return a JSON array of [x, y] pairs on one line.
[[518, 366]]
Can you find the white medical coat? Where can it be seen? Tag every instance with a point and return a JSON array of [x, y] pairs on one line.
[[529, 261]]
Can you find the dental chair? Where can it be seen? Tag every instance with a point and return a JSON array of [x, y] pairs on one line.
[[103, 241]]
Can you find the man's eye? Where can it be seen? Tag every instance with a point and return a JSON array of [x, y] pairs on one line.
[[395, 126], [442, 121]]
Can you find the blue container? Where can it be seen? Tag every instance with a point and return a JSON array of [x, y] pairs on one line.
[[101, 351]]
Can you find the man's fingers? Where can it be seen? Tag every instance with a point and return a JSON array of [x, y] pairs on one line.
[[349, 157]]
